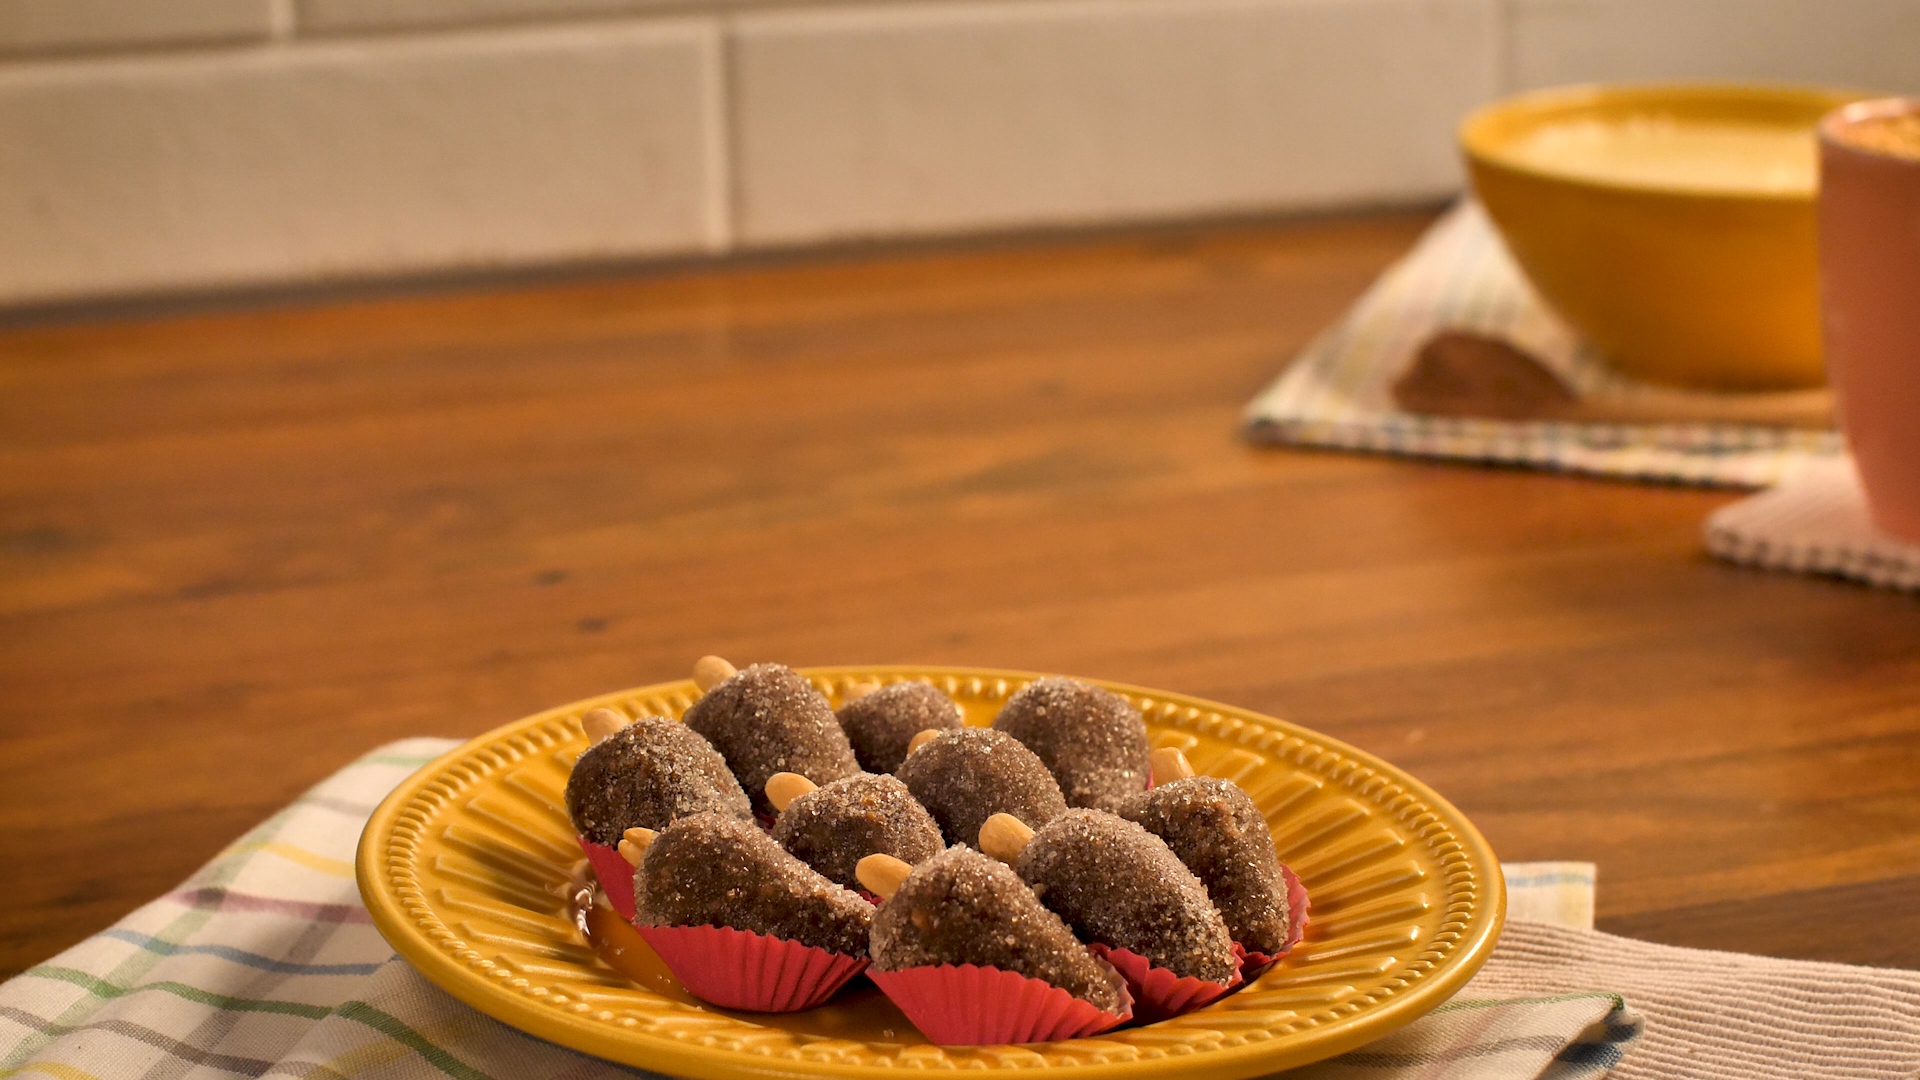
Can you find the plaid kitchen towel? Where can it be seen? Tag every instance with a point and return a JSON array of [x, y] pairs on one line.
[[265, 964], [1814, 522], [1336, 393]]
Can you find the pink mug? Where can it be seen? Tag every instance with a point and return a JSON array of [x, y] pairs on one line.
[[1870, 297]]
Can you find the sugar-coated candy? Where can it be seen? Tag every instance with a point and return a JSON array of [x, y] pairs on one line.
[[1093, 740], [967, 775], [1116, 883], [961, 907], [1221, 836], [713, 870], [768, 719], [882, 723], [832, 828], [646, 775]]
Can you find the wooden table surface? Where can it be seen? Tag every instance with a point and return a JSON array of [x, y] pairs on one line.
[[238, 549]]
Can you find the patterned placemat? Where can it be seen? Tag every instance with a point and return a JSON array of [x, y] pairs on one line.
[[1336, 393]]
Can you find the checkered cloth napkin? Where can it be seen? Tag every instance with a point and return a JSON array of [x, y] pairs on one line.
[[265, 964], [1814, 521], [1336, 393]]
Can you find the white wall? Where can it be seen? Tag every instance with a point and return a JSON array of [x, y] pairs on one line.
[[158, 145]]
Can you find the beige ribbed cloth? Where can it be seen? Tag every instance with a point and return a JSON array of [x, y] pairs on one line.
[[1721, 1016]]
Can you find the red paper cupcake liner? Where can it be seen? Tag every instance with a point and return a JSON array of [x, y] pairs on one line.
[[739, 969], [967, 1005], [1159, 994], [615, 874], [1297, 906]]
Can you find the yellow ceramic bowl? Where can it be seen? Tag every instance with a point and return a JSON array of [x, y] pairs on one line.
[[1671, 224], [471, 871]]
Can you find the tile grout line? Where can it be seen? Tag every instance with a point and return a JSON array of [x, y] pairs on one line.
[[732, 191], [282, 22], [1504, 46]]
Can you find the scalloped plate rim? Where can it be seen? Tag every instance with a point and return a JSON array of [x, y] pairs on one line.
[[677, 1057]]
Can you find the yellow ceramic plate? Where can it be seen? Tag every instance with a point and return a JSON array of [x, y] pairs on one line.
[[471, 871]]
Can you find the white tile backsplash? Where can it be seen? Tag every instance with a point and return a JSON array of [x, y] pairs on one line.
[[1870, 44], [904, 120], [294, 164], [169, 144], [55, 26], [344, 16]]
